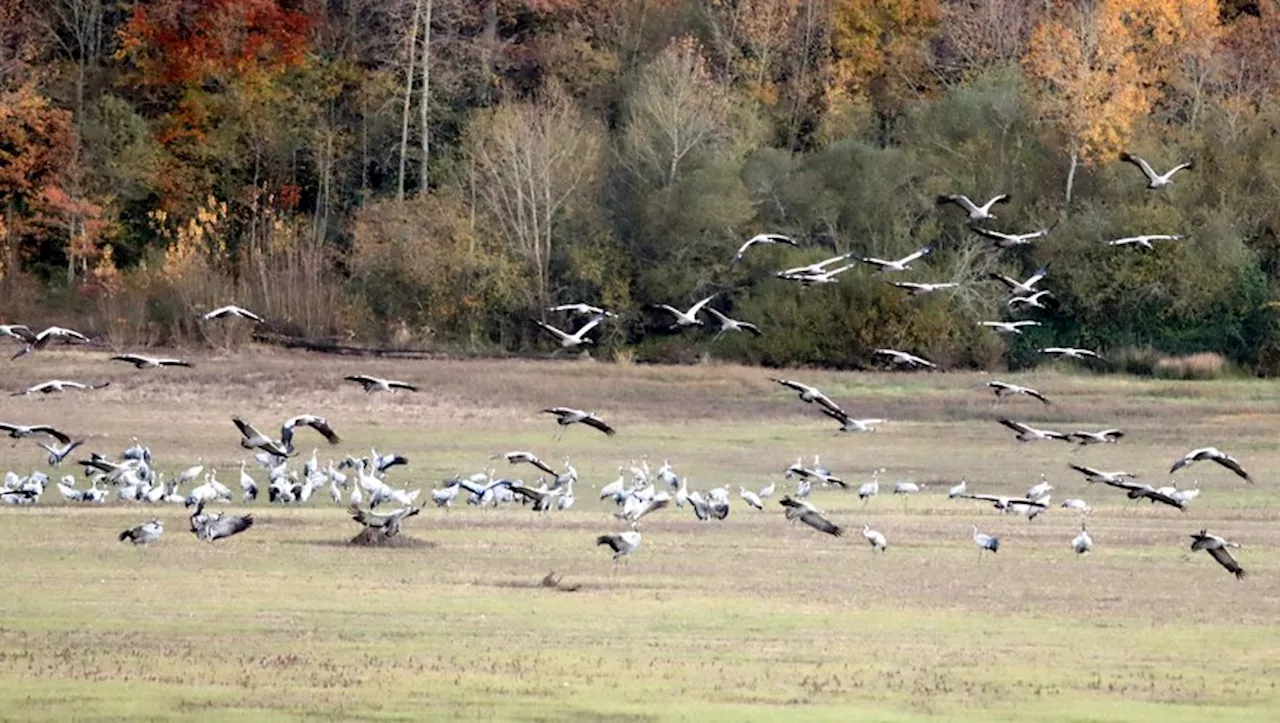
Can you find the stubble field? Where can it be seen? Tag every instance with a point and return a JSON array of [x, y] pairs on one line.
[[752, 618]]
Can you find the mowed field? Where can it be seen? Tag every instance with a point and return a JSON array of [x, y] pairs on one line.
[[750, 619]]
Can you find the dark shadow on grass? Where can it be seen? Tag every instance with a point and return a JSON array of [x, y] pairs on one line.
[[390, 543]]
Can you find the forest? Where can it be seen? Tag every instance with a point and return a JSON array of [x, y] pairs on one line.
[[436, 173]]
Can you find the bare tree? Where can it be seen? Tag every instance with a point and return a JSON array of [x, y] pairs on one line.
[[424, 104], [531, 161], [76, 27], [676, 108], [981, 34], [408, 97]]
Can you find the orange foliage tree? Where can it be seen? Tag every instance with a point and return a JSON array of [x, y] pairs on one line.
[[1101, 66], [881, 49], [35, 147], [82, 222], [203, 60], [1090, 83], [1174, 42]]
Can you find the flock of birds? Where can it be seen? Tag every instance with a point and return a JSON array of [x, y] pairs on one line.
[[360, 483]]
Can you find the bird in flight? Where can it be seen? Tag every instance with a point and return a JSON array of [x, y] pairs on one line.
[[1022, 288], [1032, 300], [814, 268], [1134, 490], [902, 358], [686, 318], [808, 514], [54, 386], [815, 278], [18, 431], [1009, 327], [1027, 433], [1066, 352], [529, 458], [727, 324], [583, 309], [232, 311], [902, 264], [1212, 454], [149, 362], [1005, 389], [376, 384], [1156, 180], [976, 212], [577, 338], [1009, 240], [1217, 547], [1145, 241], [568, 415], [809, 394], [1105, 436], [1097, 475], [849, 424], [388, 523], [916, 289], [762, 238], [36, 342]]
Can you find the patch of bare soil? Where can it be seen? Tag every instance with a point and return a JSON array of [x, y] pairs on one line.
[[373, 537]]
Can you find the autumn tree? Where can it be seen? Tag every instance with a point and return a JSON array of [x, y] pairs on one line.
[[1249, 78], [1174, 42], [1090, 85], [35, 147], [532, 161], [881, 50], [204, 62]]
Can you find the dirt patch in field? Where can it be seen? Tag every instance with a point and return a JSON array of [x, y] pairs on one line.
[[371, 537]]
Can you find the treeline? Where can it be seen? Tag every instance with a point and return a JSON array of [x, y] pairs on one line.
[[438, 172]]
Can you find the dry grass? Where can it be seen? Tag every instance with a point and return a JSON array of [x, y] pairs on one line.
[[1202, 366], [750, 619]]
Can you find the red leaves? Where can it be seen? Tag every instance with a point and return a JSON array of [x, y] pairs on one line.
[[184, 42], [35, 143]]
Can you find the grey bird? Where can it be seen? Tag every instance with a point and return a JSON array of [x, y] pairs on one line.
[[144, 534], [217, 526], [388, 522], [568, 415], [1217, 547], [806, 513], [149, 362], [622, 543]]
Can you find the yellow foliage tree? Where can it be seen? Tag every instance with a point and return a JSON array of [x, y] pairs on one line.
[[880, 48], [1090, 83], [1174, 42], [1101, 66]]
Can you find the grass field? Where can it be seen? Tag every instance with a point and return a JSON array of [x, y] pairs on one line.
[[752, 618]]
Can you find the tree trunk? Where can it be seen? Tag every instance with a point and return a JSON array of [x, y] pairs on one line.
[[488, 45], [364, 146], [408, 99], [1071, 178], [425, 103]]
